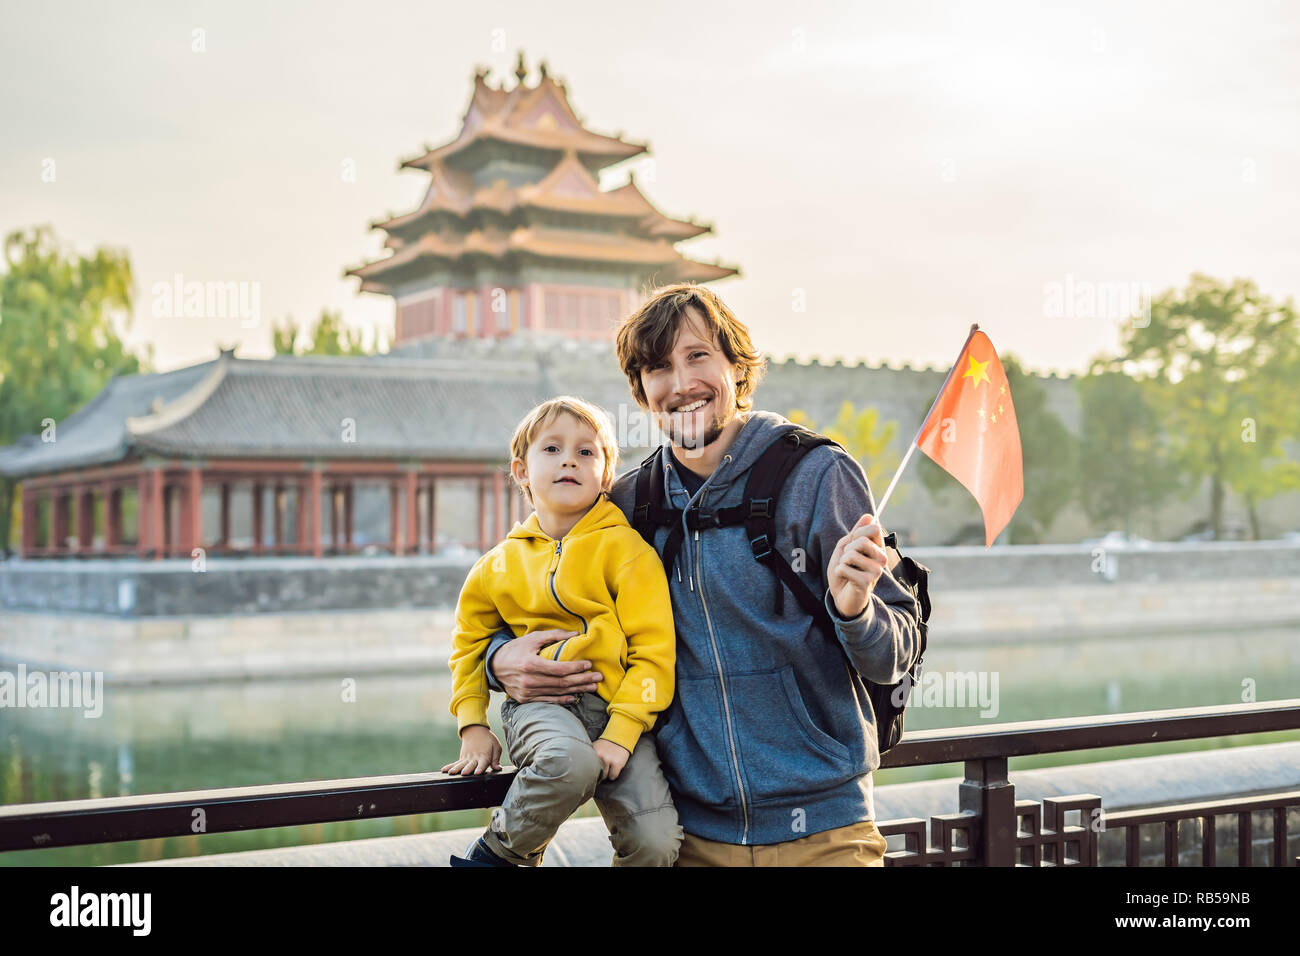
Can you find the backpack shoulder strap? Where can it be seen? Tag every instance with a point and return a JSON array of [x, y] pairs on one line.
[[649, 476], [649, 515], [762, 493]]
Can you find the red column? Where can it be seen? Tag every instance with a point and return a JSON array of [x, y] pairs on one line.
[[191, 511], [257, 517], [347, 517], [313, 507], [31, 517], [412, 516]]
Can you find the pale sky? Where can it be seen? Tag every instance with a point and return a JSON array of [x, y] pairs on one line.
[[912, 168]]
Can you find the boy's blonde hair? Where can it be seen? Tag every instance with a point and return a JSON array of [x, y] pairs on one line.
[[593, 416]]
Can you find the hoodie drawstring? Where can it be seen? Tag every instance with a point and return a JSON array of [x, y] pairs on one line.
[[690, 577]]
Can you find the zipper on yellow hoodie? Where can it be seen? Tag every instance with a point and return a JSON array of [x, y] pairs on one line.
[[556, 594]]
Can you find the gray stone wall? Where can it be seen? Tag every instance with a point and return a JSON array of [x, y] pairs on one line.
[[226, 586], [903, 394], [230, 586]]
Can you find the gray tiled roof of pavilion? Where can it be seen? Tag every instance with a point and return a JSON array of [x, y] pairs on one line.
[[294, 407], [96, 433]]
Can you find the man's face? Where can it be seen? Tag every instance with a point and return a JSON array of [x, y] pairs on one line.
[[692, 390]]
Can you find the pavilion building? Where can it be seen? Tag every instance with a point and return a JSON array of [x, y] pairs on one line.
[[514, 232], [276, 456]]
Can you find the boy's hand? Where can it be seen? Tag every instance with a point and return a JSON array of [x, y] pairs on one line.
[[613, 757], [479, 751], [855, 566]]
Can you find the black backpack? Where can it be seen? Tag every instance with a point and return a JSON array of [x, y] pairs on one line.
[[758, 512]]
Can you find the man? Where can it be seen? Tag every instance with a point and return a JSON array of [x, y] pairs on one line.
[[769, 743]]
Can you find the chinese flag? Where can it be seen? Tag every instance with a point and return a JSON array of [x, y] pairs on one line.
[[971, 433]]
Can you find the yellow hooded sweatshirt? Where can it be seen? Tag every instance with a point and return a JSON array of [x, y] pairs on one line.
[[601, 580]]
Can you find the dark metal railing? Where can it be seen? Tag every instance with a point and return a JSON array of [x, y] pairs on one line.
[[993, 828], [990, 828]]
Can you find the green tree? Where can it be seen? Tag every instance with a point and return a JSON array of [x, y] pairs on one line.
[[1049, 453], [1125, 466], [1260, 467], [58, 343], [866, 438], [1225, 356], [329, 337]]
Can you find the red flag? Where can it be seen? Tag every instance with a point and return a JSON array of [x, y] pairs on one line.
[[971, 433]]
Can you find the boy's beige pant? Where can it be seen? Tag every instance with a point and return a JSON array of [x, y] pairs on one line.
[[559, 771], [858, 844]]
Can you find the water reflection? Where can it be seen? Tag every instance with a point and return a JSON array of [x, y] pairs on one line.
[[159, 739]]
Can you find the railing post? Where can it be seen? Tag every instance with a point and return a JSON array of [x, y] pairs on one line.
[[987, 791]]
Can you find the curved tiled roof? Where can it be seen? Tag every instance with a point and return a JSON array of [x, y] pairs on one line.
[[290, 407], [569, 187], [537, 116], [96, 433], [547, 244]]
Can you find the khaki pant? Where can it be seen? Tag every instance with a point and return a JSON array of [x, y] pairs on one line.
[[858, 844], [559, 771]]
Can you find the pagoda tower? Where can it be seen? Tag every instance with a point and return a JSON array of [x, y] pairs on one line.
[[515, 233]]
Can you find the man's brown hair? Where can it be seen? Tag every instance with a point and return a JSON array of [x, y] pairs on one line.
[[646, 337]]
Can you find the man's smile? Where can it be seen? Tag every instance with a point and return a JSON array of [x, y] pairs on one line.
[[691, 406]]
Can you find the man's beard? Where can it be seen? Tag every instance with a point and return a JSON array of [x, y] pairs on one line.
[[694, 445]]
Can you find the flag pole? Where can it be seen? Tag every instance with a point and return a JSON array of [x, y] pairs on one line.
[[880, 506]]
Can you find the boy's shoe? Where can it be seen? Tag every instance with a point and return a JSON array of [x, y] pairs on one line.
[[478, 854]]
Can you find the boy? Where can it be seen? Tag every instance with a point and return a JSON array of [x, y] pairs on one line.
[[578, 565]]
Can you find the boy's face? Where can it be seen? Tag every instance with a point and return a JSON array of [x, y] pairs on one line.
[[695, 370], [565, 465]]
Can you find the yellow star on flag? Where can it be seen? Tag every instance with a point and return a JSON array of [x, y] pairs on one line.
[[977, 371]]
